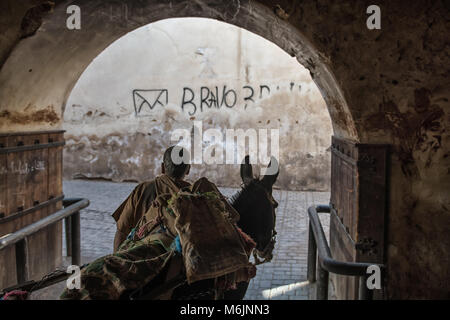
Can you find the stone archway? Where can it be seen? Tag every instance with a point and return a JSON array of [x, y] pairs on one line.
[[50, 62], [381, 86], [34, 94]]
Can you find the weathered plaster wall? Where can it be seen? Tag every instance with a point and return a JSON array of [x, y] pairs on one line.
[[117, 129], [381, 86]]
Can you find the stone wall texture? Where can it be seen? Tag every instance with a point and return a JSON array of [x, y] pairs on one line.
[[125, 107], [380, 86]]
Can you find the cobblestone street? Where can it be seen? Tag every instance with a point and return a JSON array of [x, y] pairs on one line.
[[283, 278]]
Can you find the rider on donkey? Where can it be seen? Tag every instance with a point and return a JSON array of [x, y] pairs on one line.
[[138, 202], [170, 232]]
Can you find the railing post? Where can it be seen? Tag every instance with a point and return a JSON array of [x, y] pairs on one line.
[[22, 260], [312, 255], [76, 246], [68, 230], [322, 284], [364, 292]]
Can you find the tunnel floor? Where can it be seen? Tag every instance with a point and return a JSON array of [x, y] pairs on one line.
[[282, 279]]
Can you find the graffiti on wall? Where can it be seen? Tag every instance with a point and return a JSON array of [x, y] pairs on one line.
[[193, 101], [149, 98]]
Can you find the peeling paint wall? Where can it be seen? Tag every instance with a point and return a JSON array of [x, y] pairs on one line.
[[123, 110]]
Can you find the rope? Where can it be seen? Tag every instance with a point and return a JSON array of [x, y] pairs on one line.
[[38, 284], [22, 295]]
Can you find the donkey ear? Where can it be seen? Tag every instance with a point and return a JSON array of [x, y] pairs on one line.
[[271, 174], [246, 170]]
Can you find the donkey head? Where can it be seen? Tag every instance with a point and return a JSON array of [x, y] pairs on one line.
[[256, 205]]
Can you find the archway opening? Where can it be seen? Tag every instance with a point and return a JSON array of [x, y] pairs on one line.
[[128, 104], [51, 71]]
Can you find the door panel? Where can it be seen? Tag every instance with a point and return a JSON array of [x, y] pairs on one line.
[[358, 202]]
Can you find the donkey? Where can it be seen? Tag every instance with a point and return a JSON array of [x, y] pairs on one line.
[[256, 207]]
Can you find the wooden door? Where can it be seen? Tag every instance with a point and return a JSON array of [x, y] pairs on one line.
[[359, 207], [30, 189]]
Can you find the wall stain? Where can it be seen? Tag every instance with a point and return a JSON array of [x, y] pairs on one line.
[[420, 131], [47, 115], [33, 18], [137, 157]]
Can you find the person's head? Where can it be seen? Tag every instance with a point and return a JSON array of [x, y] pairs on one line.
[[176, 162]]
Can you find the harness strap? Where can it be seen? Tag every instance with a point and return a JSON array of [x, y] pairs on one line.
[[266, 253]]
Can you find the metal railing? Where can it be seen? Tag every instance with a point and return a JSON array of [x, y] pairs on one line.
[[317, 243], [71, 215]]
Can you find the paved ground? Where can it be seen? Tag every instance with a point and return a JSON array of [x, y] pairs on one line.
[[283, 278]]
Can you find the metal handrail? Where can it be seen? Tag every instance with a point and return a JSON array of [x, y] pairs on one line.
[[20, 234], [318, 243], [70, 214]]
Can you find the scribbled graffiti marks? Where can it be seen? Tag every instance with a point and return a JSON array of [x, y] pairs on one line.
[[201, 99], [149, 98]]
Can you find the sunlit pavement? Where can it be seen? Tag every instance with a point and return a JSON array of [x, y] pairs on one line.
[[284, 278]]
